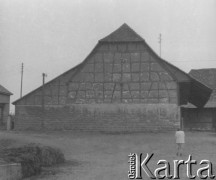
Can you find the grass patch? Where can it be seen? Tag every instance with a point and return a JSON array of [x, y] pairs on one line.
[[5, 143], [32, 157]]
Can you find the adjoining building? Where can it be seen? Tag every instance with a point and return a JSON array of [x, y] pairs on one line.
[[122, 85], [203, 118], [4, 105]]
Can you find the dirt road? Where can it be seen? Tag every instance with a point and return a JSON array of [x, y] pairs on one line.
[[97, 156]]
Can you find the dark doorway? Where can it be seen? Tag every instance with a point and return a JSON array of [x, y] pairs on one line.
[[199, 118], [1, 113]]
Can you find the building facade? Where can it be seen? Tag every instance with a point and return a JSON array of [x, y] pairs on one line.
[[4, 105], [122, 85]]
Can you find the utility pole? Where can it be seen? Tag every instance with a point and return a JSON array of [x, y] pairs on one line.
[[160, 42], [22, 66], [43, 101]]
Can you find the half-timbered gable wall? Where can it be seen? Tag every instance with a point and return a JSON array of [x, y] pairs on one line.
[[122, 73]]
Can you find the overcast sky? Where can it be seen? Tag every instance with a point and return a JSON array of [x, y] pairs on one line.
[[52, 36]]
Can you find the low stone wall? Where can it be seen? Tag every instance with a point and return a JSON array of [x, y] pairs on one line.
[[10, 171], [100, 117]]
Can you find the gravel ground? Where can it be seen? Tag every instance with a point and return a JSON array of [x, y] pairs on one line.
[[99, 156]]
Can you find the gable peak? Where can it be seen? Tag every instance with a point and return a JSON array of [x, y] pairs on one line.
[[123, 34]]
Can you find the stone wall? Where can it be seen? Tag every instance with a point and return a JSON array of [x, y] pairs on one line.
[[10, 171], [99, 117]]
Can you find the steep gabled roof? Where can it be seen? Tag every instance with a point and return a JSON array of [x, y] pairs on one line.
[[3, 90], [123, 34], [73, 70]]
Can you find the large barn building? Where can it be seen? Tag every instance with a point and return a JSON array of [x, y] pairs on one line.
[[122, 85], [202, 118]]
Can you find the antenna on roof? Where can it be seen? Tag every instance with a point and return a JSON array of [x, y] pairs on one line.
[[22, 67], [44, 75], [160, 42]]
